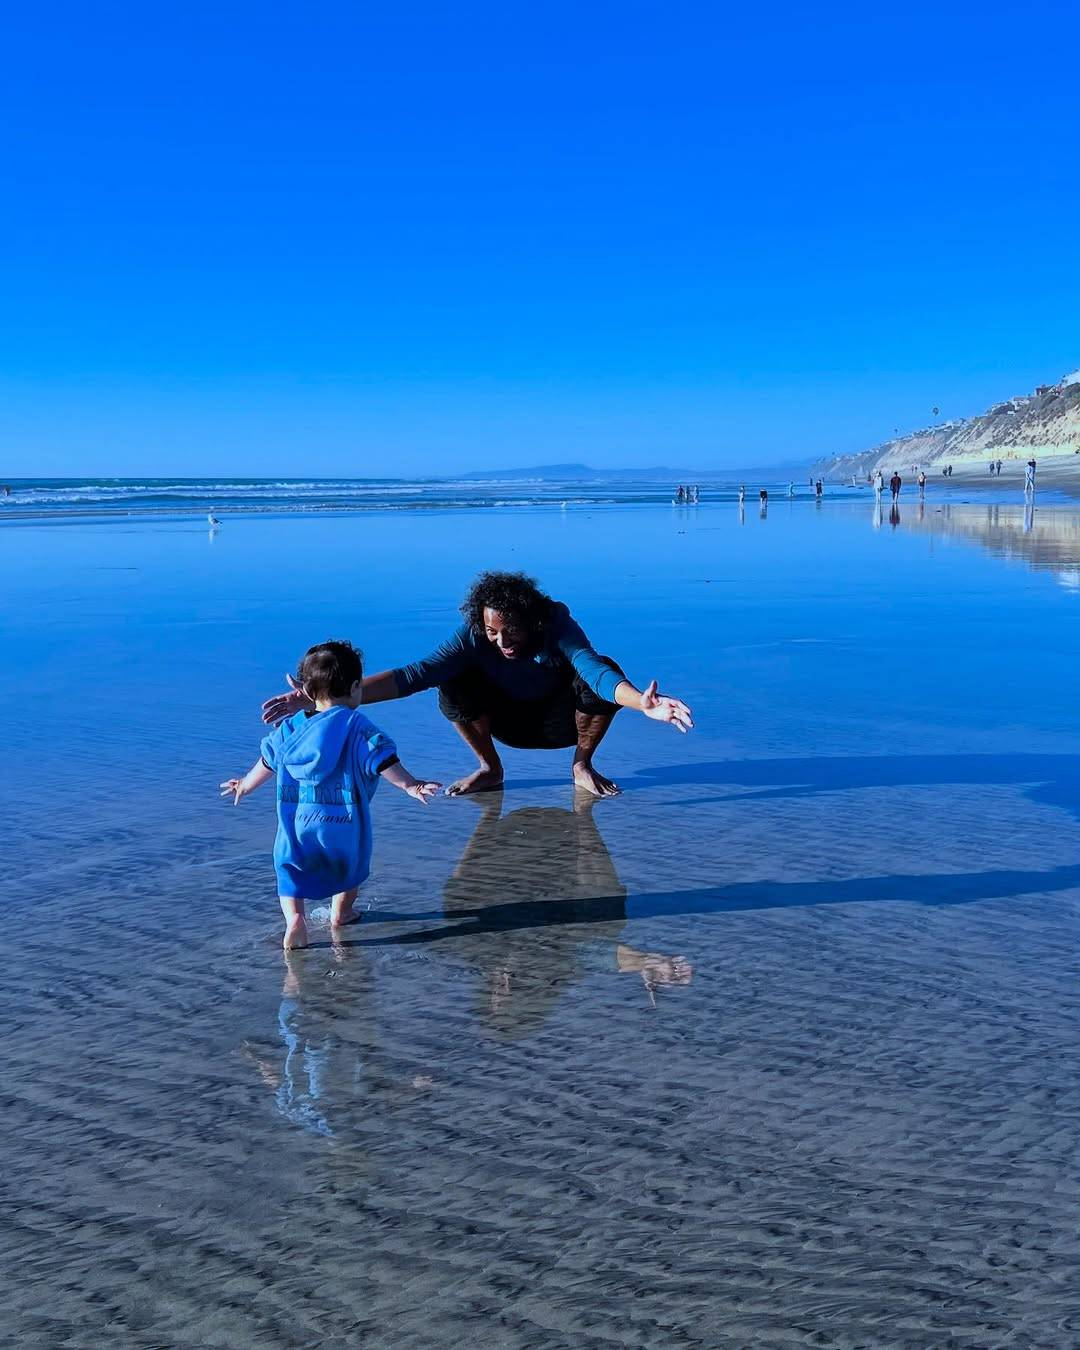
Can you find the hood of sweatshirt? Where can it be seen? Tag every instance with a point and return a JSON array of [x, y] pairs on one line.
[[315, 750]]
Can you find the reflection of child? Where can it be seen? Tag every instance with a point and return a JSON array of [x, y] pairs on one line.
[[328, 764]]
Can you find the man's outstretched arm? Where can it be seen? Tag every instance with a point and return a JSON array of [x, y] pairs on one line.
[[608, 681], [444, 662], [377, 689], [382, 687]]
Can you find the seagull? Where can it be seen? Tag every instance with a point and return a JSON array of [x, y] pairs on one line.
[[212, 520]]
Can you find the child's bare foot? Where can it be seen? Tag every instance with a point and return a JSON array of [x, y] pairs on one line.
[[483, 780], [341, 909], [295, 935]]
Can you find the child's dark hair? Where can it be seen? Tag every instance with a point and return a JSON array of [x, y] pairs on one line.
[[330, 670]]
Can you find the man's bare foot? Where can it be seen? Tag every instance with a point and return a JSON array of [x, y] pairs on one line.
[[483, 780], [345, 918], [295, 936], [586, 778]]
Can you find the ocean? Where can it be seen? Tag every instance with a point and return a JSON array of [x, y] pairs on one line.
[[69, 498]]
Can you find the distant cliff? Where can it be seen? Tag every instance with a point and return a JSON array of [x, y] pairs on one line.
[[1046, 422]]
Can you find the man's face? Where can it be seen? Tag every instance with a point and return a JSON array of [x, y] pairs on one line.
[[506, 633]]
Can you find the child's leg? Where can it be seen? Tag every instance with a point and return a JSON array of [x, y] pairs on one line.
[[295, 927], [341, 908]]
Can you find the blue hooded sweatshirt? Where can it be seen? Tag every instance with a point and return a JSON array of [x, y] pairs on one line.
[[327, 765]]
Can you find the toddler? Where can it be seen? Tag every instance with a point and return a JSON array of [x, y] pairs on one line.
[[328, 764]]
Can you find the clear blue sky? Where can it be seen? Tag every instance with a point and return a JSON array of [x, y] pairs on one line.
[[260, 239]]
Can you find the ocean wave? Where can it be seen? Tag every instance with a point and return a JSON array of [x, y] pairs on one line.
[[44, 498]]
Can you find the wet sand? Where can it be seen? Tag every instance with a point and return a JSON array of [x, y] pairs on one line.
[[778, 1048]]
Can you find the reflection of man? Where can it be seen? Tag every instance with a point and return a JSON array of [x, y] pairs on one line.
[[538, 903], [520, 671]]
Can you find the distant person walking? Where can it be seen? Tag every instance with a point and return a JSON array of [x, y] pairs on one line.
[[895, 483], [818, 490], [742, 494], [1029, 476], [922, 483], [791, 489], [879, 483]]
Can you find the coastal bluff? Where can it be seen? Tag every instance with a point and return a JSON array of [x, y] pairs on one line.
[[1045, 422]]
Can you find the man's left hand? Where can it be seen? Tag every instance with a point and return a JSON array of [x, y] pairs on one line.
[[663, 708]]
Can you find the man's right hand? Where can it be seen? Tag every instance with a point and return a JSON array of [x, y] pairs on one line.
[[276, 709]]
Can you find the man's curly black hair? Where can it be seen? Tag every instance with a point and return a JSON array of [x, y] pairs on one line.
[[511, 594]]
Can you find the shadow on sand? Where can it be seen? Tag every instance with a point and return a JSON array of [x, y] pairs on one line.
[[1053, 780], [946, 888]]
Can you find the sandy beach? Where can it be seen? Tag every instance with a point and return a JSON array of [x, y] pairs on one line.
[[1055, 474], [778, 1048]]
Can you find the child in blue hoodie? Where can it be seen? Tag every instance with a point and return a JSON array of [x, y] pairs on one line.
[[328, 764]]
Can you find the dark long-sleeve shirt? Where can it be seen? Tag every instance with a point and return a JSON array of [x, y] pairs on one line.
[[563, 648]]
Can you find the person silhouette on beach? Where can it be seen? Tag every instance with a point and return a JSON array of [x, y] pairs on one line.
[[520, 671], [895, 484]]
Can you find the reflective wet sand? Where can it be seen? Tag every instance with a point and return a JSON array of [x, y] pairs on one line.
[[778, 1048]]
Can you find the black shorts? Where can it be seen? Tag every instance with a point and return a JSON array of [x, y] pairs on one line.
[[525, 724]]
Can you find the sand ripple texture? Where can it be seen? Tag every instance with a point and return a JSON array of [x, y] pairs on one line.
[[781, 1048], [855, 1125]]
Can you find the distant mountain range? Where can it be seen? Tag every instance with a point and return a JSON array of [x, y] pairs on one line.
[[1045, 422], [584, 473]]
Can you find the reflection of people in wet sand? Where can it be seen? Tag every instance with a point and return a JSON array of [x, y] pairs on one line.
[[532, 907], [520, 671], [537, 903]]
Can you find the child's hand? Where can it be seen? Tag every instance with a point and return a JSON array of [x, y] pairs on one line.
[[423, 792], [234, 788]]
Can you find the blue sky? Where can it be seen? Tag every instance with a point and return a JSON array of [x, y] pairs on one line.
[[327, 239]]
